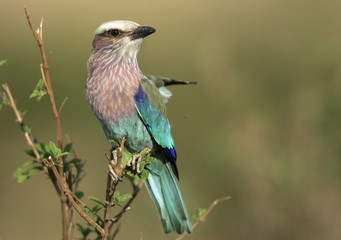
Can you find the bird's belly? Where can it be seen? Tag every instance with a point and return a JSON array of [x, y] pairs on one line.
[[131, 126]]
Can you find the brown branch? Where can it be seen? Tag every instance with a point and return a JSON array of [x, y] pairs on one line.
[[208, 211], [38, 35], [115, 232], [39, 38], [28, 136], [111, 187], [49, 58], [140, 232], [69, 196], [61, 106], [21, 123], [126, 207]]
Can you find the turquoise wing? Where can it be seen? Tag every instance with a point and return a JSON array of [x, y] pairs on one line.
[[152, 111]]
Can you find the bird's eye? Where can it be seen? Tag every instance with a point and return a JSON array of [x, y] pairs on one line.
[[114, 32]]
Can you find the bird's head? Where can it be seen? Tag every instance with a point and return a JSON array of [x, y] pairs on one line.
[[120, 37]]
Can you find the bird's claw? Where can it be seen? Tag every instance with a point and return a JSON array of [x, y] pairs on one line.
[[135, 161], [113, 163]]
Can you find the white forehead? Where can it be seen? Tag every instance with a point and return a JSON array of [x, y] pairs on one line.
[[123, 25]]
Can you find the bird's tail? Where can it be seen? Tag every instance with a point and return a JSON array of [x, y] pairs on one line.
[[166, 195]]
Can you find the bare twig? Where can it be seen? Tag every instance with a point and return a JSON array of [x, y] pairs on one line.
[[111, 187], [39, 38], [115, 232], [21, 122], [38, 35], [208, 211], [69, 196], [141, 235], [61, 106], [126, 207], [28, 136], [49, 58]]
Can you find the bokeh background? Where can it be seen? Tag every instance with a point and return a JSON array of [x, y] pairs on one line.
[[262, 125]]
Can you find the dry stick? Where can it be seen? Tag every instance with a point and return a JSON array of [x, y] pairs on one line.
[[68, 194], [28, 137], [46, 76], [61, 106], [140, 232], [65, 189], [115, 232], [39, 38], [127, 205], [21, 122], [111, 186], [208, 211]]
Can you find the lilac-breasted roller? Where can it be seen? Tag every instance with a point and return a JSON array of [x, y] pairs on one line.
[[131, 104]]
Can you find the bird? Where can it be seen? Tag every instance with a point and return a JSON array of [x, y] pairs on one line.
[[129, 104]]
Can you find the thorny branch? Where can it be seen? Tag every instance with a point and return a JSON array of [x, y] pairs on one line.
[[111, 187], [38, 35], [137, 188], [70, 195], [28, 136]]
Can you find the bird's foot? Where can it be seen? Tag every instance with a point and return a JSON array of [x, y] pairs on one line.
[[113, 165], [135, 161]]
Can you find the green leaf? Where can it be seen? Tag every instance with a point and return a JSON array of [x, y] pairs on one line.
[[97, 200], [22, 113], [30, 152], [4, 100], [84, 231], [56, 152], [87, 210], [26, 175], [23, 167], [74, 161], [124, 197], [34, 171], [144, 174], [43, 149], [2, 62], [67, 147], [198, 213], [27, 129], [120, 198], [79, 194], [39, 90], [22, 178], [125, 157], [96, 209]]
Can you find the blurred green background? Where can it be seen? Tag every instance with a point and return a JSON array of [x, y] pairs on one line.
[[263, 125]]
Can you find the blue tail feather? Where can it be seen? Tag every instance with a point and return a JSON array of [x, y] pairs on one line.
[[166, 195]]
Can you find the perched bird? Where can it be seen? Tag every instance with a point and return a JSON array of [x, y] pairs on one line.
[[128, 103]]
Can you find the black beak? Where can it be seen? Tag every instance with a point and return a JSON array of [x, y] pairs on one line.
[[142, 32]]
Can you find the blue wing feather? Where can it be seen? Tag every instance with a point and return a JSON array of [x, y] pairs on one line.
[[156, 123]]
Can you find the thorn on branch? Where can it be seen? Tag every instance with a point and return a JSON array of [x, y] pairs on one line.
[[49, 58], [61, 106]]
